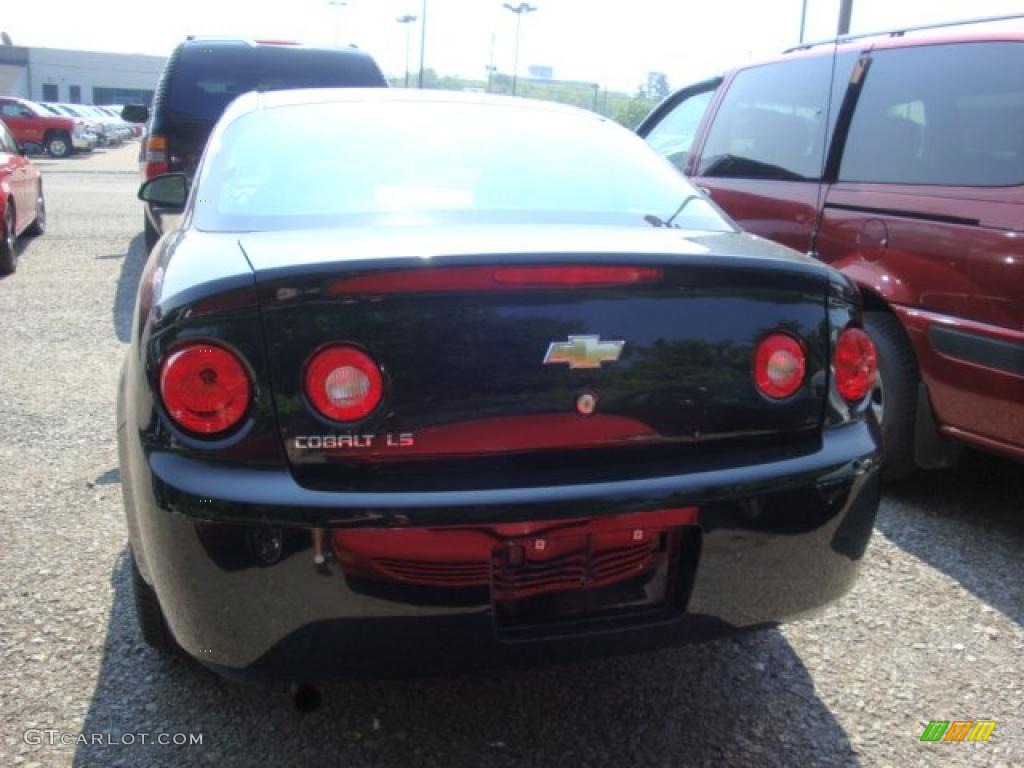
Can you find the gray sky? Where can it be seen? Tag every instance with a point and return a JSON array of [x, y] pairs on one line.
[[615, 44]]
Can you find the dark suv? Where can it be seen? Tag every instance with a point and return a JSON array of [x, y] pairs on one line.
[[204, 75], [899, 159]]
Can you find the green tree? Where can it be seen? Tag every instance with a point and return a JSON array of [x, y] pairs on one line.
[[630, 113]]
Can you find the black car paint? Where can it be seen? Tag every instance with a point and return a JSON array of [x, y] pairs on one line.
[[486, 350], [784, 518]]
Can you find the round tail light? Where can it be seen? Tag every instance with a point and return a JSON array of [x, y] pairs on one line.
[[343, 383], [855, 363], [779, 366], [205, 388]]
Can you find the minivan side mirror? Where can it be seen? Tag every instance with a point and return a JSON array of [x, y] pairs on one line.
[[170, 189], [135, 113]]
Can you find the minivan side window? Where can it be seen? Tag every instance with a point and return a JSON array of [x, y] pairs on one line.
[[964, 127], [772, 122], [673, 135]]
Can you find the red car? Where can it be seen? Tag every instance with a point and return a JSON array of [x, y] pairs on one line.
[[22, 207], [59, 136], [899, 159]]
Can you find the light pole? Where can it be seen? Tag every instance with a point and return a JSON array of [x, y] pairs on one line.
[[423, 39], [845, 13], [407, 19], [518, 10], [339, 4], [491, 69]]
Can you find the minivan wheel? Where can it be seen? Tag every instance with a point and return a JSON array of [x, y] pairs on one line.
[[8, 243], [894, 398], [59, 145], [149, 614]]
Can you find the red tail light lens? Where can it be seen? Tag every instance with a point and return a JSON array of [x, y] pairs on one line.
[[855, 363], [205, 388], [156, 156], [343, 383], [779, 366]]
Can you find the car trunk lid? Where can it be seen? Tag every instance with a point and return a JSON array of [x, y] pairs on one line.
[[590, 349]]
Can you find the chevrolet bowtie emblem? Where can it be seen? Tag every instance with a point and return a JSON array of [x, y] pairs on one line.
[[583, 352]]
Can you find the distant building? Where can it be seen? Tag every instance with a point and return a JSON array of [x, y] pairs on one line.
[[78, 77]]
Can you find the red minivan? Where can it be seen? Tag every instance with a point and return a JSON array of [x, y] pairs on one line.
[[898, 159]]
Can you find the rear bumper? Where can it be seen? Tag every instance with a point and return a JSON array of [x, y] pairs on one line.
[[232, 556]]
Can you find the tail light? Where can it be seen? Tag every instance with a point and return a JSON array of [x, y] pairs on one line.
[[855, 363], [156, 156], [205, 388], [343, 383], [779, 366]]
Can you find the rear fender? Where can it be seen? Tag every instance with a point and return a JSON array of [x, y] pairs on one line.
[[876, 278], [931, 449]]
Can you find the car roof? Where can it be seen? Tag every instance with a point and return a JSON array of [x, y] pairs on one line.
[[206, 41], [252, 102], [997, 29]]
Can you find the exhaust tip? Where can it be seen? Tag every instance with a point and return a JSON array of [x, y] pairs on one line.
[[306, 698]]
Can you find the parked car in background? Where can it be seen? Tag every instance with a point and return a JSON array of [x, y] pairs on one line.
[[129, 130], [91, 126], [137, 129], [438, 388], [108, 131], [117, 129], [60, 135], [899, 159], [203, 75], [22, 206]]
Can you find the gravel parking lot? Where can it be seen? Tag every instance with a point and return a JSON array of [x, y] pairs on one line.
[[933, 630]]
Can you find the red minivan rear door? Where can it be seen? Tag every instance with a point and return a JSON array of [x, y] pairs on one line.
[[927, 212]]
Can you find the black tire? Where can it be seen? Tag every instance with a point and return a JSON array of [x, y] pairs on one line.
[[149, 233], [8, 242], [895, 401], [38, 227], [150, 616], [58, 144]]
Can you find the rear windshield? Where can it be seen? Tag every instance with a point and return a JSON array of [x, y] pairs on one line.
[[475, 162], [206, 80]]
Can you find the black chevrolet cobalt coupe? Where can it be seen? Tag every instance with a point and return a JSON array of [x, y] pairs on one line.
[[468, 379]]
